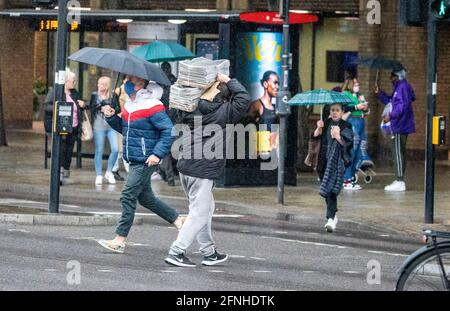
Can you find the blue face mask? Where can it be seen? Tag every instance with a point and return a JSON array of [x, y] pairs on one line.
[[129, 88]]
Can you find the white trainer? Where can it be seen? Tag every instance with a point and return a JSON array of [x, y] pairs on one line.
[[110, 178], [396, 186], [352, 186], [331, 224], [99, 180]]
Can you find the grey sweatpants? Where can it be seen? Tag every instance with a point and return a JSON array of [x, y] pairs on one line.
[[198, 222]]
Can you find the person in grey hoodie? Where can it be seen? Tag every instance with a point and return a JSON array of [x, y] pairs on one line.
[[402, 123], [197, 173]]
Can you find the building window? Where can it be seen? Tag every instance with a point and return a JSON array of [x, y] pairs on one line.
[[338, 62]]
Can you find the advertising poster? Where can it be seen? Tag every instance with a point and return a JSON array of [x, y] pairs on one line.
[[257, 53]]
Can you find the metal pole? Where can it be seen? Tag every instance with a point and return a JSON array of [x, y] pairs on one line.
[[431, 111], [283, 110], [59, 93]]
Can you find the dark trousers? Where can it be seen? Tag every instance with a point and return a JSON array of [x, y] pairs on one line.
[[399, 155], [138, 188], [331, 206], [66, 148], [166, 169]]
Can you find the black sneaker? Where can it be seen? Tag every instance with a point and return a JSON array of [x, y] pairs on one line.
[[117, 176], [214, 259], [179, 260]]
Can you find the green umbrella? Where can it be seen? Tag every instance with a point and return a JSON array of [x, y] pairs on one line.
[[163, 51], [320, 97]]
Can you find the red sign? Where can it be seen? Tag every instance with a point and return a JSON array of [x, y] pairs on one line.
[[274, 18]]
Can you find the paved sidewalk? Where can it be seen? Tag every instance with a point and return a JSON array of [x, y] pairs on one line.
[[22, 173]]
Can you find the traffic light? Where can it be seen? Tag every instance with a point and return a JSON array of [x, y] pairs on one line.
[[440, 9], [44, 3]]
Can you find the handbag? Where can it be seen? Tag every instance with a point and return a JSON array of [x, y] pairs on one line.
[[86, 128]]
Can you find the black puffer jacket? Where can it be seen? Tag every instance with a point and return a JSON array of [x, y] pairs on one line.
[[211, 113]]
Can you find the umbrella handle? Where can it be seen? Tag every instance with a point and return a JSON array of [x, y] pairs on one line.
[[377, 80]]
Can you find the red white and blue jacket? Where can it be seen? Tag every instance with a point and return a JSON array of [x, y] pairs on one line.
[[145, 126]]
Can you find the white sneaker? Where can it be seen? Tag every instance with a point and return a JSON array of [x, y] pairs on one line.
[[331, 224], [396, 186], [352, 186], [99, 180], [110, 177]]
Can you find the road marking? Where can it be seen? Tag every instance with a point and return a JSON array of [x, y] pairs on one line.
[[51, 270], [153, 215], [309, 272], [258, 258], [216, 271], [262, 271], [136, 244], [237, 256], [18, 230], [352, 272], [384, 235], [306, 242], [105, 270], [169, 271], [387, 253], [245, 231], [281, 232], [89, 238]]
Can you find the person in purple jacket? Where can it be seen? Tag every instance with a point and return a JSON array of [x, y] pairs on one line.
[[402, 123]]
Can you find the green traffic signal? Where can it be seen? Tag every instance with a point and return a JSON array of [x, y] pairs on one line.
[[441, 8]]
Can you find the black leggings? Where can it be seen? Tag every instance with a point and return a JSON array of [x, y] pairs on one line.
[[66, 148], [331, 206]]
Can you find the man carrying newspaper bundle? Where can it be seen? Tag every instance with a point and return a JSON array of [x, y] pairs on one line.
[[228, 101]]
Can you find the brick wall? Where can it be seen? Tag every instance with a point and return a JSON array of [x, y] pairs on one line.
[[40, 56], [16, 63]]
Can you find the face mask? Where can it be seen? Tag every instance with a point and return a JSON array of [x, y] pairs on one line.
[[129, 88]]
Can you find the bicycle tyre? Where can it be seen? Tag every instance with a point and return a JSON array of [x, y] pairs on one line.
[[444, 250]]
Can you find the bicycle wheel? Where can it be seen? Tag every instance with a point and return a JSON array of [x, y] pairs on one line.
[[425, 273]]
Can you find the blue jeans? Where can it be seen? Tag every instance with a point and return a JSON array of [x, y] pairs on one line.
[[359, 132], [99, 139]]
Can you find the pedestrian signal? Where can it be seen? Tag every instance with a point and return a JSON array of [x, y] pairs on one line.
[[441, 9]]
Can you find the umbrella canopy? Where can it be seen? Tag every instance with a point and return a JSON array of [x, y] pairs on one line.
[[379, 62], [320, 97], [121, 61], [159, 51]]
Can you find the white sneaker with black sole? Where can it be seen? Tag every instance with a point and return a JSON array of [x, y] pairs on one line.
[[331, 224], [179, 260], [214, 259]]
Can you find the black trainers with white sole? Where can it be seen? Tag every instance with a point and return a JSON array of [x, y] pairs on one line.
[[179, 260], [214, 259]]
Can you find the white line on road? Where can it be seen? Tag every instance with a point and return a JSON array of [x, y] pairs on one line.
[[51, 270], [262, 271], [309, 272], [352, 272], [258, 258], [105, 270], [281, 232], [18, 230], [153, 215], [306, 242], [237, 256], [169, 271], [387, 253], [216, 271]]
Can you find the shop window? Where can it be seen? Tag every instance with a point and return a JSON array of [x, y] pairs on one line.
[[338, 62]]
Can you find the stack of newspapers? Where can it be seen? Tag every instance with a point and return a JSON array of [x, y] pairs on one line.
[[201, 72], [184, 98], [194, 77]]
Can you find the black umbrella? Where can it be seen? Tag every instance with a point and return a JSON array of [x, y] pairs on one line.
[[121, 61], [379, 63]]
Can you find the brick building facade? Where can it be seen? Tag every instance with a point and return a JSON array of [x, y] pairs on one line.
[[22, 58]]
